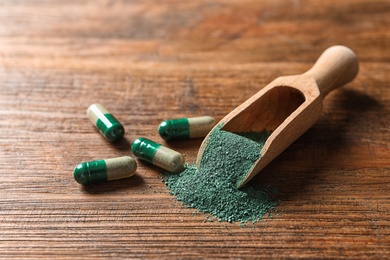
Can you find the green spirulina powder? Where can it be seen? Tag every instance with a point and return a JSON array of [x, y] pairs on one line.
[[212, 189]]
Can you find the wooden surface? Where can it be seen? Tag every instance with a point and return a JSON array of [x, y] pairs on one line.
[[151, 60]]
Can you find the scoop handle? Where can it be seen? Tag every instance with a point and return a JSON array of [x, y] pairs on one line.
[[336, 66]]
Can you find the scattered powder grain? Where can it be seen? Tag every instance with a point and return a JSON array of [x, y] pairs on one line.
[[212, 189]]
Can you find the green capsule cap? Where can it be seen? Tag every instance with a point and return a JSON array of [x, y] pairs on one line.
[[110, 127], [144, 148], [175, 129], [90, 172]]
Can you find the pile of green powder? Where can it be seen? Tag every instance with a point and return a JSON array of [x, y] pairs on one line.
[[212, 189]]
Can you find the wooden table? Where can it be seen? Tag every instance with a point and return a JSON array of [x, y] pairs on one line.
[[147, 61]]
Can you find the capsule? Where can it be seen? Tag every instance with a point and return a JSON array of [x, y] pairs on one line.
[[105, 122], [105, 170], [158, 155], [185, 128]]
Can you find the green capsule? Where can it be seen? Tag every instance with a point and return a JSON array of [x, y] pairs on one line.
[[185, 128], [105, 122], [158, 155], [104, 170]]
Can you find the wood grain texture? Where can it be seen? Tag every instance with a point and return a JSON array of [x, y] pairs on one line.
[[149, 60]]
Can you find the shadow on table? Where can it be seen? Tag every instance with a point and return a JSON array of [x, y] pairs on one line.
[[123, 145], [117, 185]]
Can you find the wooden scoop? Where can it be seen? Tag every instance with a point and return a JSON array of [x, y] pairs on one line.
[[288, 106]]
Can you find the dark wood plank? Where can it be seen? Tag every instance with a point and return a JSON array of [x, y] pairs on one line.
[[149, 60]]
